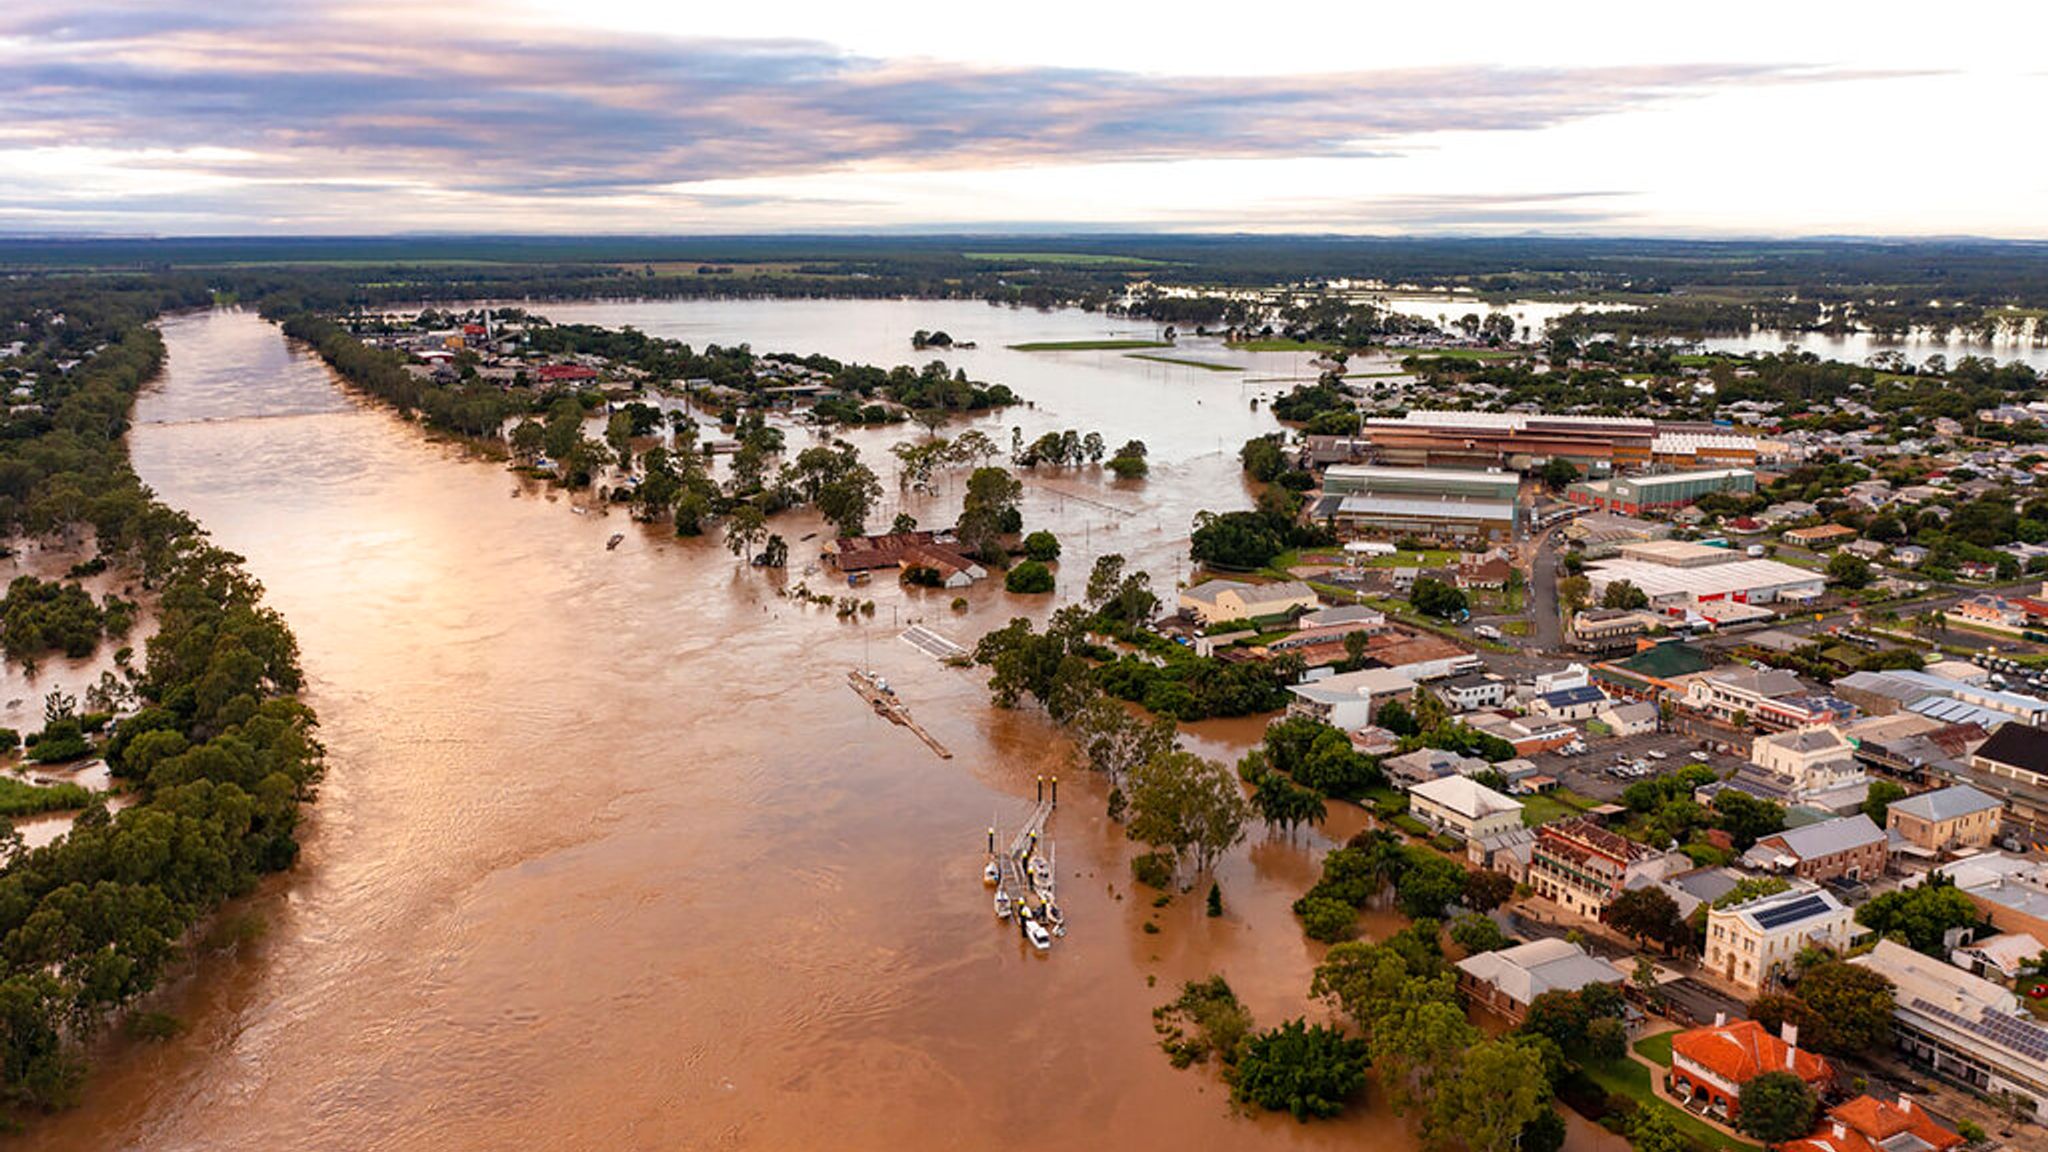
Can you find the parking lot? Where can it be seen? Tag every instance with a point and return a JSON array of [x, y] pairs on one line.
[[1595, 774]]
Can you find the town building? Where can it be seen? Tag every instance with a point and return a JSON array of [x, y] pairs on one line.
[[1635, 495], [1463, 807], [1528, 734], [1472, 690], [2000, 959], [1611, 629], [1963, 1027], [1424, 765], [2011, 891], [1931, 694], [1820, 536], [1582, 867], [1602, 534], [1750, 943], [1737, 693], [1508, 981], [1521, 441], [1216, 601], [1350, 700], [1632, 719], [1676, 587], [1710, 1064], [1945, 819], [1569, 703], [1812, 759], [2016, 752], [1847, 846]]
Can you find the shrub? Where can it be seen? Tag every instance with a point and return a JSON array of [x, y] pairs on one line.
[[1030, 577], [9, 740], [1304, 1070], [1152, 869], [1042, 546], [1129, 467], [1327, 920]]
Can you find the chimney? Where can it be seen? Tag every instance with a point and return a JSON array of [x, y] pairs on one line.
[[1841, 1130], [1720, 1019], [1789, 1033], [1905, 1103]]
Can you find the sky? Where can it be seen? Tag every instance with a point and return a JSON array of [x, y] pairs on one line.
[[303, 117]]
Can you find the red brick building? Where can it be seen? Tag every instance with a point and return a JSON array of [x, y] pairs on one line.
[[1709, 1065]]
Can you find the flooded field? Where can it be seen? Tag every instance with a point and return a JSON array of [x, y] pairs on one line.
[[609, 856]]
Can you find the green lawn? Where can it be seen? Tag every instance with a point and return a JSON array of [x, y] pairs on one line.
[[1282, 344], [1543, 807], [1656, 1049], [19, 798], [1626, 1077], [1202, 364], [1517, 628], [1433, 558], [1087, 345]]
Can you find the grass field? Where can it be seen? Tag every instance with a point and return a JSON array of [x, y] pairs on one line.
[[1543, 807], [1282, 344], [1202, 364], [1087, 345], [1626, 1077], [1079, 259], [1656, 1049]]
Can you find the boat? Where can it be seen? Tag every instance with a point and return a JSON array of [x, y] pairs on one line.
[[1056, 918], [990, 874], [1039, 937], [1002, 905], [615, 541]]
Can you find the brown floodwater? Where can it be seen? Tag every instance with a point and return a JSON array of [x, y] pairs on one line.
[[609, 856]]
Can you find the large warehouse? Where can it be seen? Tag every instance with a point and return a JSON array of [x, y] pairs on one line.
[[1438, 503], [1635, 495], [1521, 441], [1688, 583]]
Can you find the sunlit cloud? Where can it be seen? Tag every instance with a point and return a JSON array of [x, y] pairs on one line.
[[180, 115]]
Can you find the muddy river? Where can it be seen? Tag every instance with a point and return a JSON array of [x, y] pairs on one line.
[[609, 856]]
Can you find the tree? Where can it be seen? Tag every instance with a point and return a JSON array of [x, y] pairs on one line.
[[1042, 546], [1849, 570], [1030, 577], [1475, 934], [1487, 890], [1262, 458], [1559, 474], [1433, 597], [1428, 885], [1855, 1002], [1746, 818], [1243, 540], [1308, 1071], [1181, 802], [1092, 447], [1500, 1089], [1574, 593], [1878, 801], [1921, 917], [1648, 914], [1623, 594], [1417, 1045], [775, 554], [1775, 1106], [745, 529], [987, 511]]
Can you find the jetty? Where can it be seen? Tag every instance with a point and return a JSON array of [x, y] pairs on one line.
[[1024, 870], [884, 701]]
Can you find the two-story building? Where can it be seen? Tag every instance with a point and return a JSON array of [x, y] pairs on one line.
[[1748, 943], [1847, 846], [1710, 1064], [1945, 819], [1215, 601], [1463, 807], [1583, 867]]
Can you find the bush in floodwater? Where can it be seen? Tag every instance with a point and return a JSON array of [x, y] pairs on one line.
[[1152, 869], [1326, 920], [1215, 899], [154, 1026], [1030, 577], [959, 603]]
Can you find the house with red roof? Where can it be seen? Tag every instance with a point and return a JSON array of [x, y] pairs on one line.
[[564, 373], [1709, 1065], [1867, 1124]]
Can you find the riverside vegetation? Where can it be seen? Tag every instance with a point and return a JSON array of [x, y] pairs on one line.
[[219, 753]]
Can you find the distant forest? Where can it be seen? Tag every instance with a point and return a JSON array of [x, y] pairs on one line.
[[1685, 287]]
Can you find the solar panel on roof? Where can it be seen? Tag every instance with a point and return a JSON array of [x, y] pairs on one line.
[[1772, 918]]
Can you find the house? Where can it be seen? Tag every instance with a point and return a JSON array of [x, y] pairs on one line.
[[1710, 1064], [1820, 536], [1597, 629], [1945, 819], [1750, 942], [954, 570], [865, 553], [1507, 981], [1847, 846], [1633, 719], [1984, 609], [1909, 555], [1463, 807], [1583, 867], [1492, 572], [1569, 703], [1810, 760], [1472, 690], [1962, 1027], [1867, 1124], [1751, 694], [1333, 624], [1215, 601], [1413, 769]]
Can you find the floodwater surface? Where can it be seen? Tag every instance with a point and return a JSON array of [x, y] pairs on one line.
[[609, 856]]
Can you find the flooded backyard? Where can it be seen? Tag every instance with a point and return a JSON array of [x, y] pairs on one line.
[[609, 856]]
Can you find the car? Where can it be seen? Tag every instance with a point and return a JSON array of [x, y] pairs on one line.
[[1654, 754], [1486, 632], [1702, 757]]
